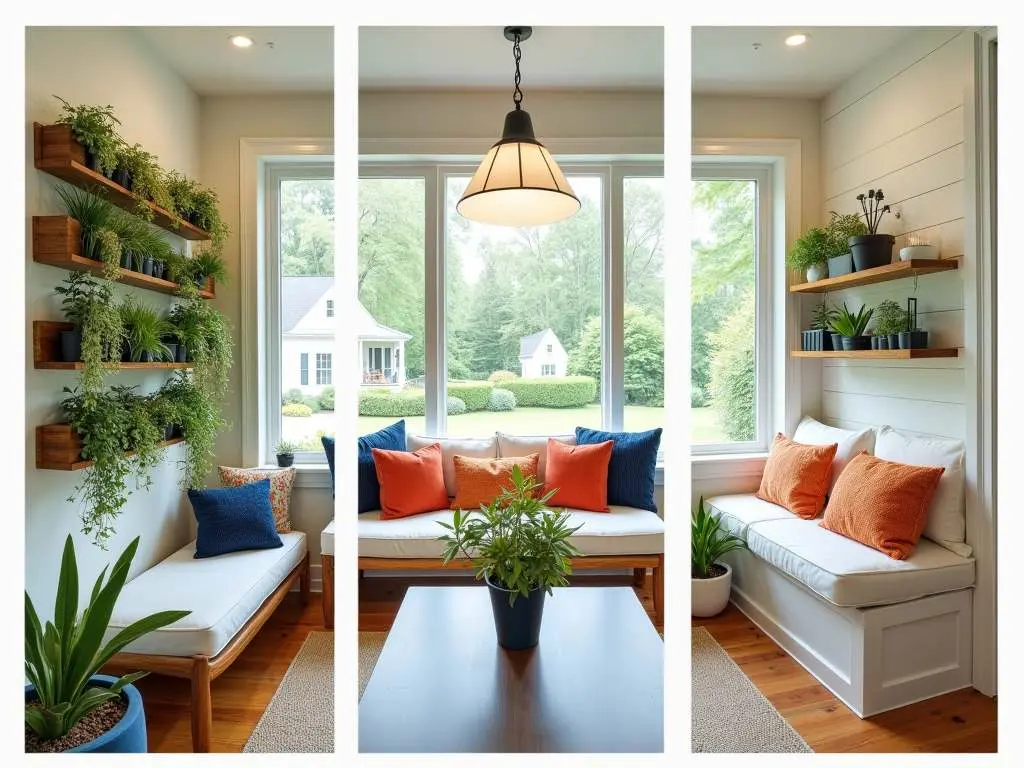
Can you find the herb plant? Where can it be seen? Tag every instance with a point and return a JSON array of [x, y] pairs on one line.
[[841, 228], [144, 330], [890, 318], [709, 541]]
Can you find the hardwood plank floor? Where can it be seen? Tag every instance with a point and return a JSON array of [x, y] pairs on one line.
[[242, 693], [962, 721]]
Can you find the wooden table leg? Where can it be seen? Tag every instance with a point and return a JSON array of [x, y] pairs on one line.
[[327, 578], [659, 591], [202, 704], [304, 580], [639, 577]]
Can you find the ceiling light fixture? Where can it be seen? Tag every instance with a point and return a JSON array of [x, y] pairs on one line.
[[794, 40], [518, 184], [241, 41]]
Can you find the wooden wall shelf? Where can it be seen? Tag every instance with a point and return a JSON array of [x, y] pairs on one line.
[[59, 154], [46, 351], [895, 271], [59, 447], [881, 354], [57, 239]]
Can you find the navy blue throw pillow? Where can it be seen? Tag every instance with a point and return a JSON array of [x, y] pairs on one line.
[[631, 469], [328, 443], [234, 519], [390, 438]]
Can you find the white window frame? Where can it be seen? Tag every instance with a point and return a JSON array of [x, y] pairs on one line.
[[760, 173]]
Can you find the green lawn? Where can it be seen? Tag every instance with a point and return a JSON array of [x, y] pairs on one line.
[[704, 426]]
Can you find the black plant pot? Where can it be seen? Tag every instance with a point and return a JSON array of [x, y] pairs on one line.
[[874, 342], [172, 351], [285, 459], [169, 432], [518, 625], [181, 353], [837, 341], [159, 268], [840, 265], [71, 345], [851, 343], [883, 341], [177, 431], [147, 266], [126, 260], [128, 355], [913, 339], [123, 178], [870, 251], [894, 341], [93, 162]]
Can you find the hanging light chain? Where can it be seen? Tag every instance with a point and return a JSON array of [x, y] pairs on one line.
[[517, 95]]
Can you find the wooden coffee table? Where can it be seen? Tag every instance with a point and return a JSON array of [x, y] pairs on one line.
[[443, 684]]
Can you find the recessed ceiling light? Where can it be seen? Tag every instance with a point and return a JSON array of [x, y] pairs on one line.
[[241, 41], [796, 40]]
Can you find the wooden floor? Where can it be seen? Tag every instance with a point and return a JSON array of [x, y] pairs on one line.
[[380, 597], [242, 693], [963, 721]]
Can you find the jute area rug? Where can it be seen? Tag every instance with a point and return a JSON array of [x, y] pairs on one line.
[[300, 717], [729, 713], [370, 646]]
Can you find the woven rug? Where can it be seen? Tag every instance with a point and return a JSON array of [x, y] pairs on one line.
[[370, 646], [729, 713], [300, 717]]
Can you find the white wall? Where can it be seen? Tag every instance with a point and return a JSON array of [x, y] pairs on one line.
[[157, 109], [292, 349]]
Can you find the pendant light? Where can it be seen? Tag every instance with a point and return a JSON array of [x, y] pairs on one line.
[[518, 184]]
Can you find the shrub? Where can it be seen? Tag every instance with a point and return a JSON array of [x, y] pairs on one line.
[[292, 396], [327, 399], [456, 406], [475, 394], [698, 397], [549, 392], [501, 400], [313, 403], [297, 409], [408, 402], [732, 372], [500, 377]]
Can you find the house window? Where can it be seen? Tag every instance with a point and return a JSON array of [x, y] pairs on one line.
[[330, 308], [730, 307], [304, 369], [550, 348], [547, 369], [323, 369]]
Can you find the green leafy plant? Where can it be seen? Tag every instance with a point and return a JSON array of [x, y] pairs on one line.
[[709, 541], [95, 128], [143, 433], [812, 248], [62, 656], [181, 192], [890, 318], [144, 330], [198, 413], [286, 447], [207, 335], [841, 228], [846, 323], [206, 214], [822, 316], [208, 263], [88, 305], [147, 178], [515, 542], [296, 410], [97, 218]]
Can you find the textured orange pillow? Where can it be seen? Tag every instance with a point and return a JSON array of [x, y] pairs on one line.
[[883, 504], [479, 481], [580, 475], [411, 482], [797, 476]]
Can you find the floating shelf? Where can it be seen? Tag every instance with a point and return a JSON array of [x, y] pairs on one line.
[[59, 447], [895, 271], [46, 351], [59, 154], [55, 240], [881, 354]]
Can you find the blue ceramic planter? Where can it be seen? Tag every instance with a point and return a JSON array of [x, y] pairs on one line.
[[129, 735]]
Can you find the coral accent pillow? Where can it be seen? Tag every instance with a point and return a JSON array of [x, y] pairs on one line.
[[281, 483], [411, 482], [797, 476], [883, 504], [580, 475], [480, 481]]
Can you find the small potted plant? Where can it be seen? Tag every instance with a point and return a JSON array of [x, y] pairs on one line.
[[710, 578], [890, 319], [810, 254], [209, 264], [285, 451], [520, 549], [912, 337], [851, 327], [63, 660], [95, 128], [144, 332], [818, 339], [841, 228], [873, 249], [97, 330]]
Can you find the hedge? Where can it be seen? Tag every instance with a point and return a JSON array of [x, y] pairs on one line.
[[501, 400], [549, 392], [327, 399], [475, 394], [297, 409], [292, 396], [385, 403], [500, 377], [456, 406]]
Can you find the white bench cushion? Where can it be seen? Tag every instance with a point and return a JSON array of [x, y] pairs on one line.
[[327, 540], [223, 593], [739, 511], [848, 573], [622, 531]]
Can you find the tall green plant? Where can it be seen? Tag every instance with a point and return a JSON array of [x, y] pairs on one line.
[[144, 330], [516, 542], [890, 317], [61, 656], [847, 323], [709, 541], [96, 130]]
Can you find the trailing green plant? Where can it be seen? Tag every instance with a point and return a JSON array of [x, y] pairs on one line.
[[95, 128], [201, 422], [822, 316], [709, 541], [88, 305], [515, 541], [182, 270], [145, 330], [143, 433], [207, 335], [206, 214], [147, 179], [62, 656], [890, 318], [810, 249], [181, 191], [846, 323]]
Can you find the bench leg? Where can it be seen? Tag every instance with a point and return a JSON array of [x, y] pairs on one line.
[[304, 580], [327, 577], [659, 591], [639, 577], [202, 704]]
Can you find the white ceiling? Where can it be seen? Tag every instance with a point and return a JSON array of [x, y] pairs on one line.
[[725, 62], [301, 59], [582, 57]]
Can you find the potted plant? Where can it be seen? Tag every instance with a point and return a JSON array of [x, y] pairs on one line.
[[817, 338], [890, 319], [209, 264], [710, 578], [851, 327], [285, 451], [912, 337], [99, 222], [520, 549], [198, 410], [144, 332], [97, 333], [138, 171], [181, 192], [810, 254], [841, 228], [873, 249], [95, 128], [62, 664]]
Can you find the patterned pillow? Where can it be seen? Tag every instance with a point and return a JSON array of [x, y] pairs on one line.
[[281, 483]]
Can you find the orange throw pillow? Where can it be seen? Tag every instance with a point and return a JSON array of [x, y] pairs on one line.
[[479, 481], [883, 504], [580, 475], [411, 482], [797, 476]]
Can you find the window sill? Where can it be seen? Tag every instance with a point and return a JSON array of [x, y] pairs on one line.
[[659, 475], [308, 475], [714, 466]]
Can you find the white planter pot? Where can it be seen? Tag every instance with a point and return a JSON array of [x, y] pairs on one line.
[[708, 597], [919, 252], [817, 272]]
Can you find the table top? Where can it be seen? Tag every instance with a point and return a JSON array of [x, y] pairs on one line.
[[442, 683]]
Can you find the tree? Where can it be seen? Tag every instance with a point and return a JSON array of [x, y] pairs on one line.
[[733, 385], [307, 227], [644, 363]]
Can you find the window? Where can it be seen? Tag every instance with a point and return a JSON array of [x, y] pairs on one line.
[[330, 308], [304, 369], [729, 308], [470, 308], [323, 369]]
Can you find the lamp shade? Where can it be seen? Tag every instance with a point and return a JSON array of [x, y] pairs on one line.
[[518, 184]]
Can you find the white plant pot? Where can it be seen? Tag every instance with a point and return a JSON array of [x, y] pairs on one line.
[[708, 597], [817, 272], [919, 252]]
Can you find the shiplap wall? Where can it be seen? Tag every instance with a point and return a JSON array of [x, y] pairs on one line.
[[899, 124]]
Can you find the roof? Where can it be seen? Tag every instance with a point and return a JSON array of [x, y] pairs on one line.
[[528, 345], [299, 294], [367, 327]]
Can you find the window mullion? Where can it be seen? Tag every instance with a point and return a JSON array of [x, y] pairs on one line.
[[434, 326], [613, 309]]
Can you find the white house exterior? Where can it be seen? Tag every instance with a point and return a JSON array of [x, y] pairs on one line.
[[381, 352], [541, 354]]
